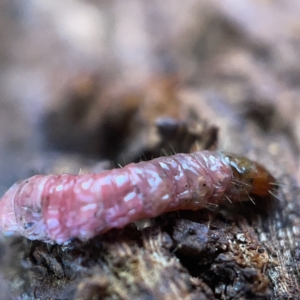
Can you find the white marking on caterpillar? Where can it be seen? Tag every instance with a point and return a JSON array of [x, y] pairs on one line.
[[55, 208]]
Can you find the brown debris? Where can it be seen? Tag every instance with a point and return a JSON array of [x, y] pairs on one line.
[[181, 258], [140, 123], [135, 266], [233, 259]]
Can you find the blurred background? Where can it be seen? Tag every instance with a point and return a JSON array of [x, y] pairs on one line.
[[105, 80], [87, 85]]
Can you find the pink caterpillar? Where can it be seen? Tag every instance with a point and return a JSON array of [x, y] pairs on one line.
[[55, 208]]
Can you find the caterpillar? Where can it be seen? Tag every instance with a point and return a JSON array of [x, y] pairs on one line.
[[56, 208]]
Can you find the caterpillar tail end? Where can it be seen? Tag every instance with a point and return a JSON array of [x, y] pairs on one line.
[[8, 222]]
